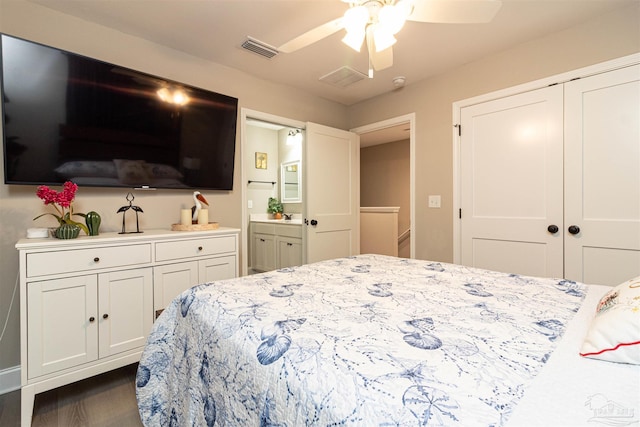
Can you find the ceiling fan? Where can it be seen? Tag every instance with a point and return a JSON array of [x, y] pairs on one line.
[[377, 21]]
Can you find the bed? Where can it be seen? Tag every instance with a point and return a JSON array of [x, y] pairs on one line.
[[384, 341]]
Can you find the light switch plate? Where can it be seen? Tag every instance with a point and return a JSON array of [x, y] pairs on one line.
[[434, 201], [249, 204]]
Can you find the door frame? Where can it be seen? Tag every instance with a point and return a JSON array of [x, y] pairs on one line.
[[394, 121], [561, 78], [245, 114]]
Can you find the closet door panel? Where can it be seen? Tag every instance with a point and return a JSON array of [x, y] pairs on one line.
[[602, 177], [511, 183]]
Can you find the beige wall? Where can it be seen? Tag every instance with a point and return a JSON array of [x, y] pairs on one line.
[[607, 37], [18, 204], [384, 180], [263, 140]]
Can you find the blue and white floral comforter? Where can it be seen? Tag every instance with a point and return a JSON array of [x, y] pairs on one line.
[[368, 340]]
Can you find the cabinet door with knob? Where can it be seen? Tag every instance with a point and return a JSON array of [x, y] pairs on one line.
[[125, 306], [76, 320], [289, 251], [264, 254], [170, 280], [62, 320], [190, 262], [219, 268]]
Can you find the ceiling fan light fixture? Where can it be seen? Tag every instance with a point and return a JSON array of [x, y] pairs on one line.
[[392, 18], [405, 7], [355, 19], [382, 38], [354, 39]]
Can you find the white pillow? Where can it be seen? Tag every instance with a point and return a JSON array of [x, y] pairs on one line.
[[614, 334], [132, 172], [157, 170], [89, 168]]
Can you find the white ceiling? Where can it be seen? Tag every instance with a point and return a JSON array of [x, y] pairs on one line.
[[215, 29]]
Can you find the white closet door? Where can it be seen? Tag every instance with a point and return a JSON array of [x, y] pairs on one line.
[[511, 183], [602, 170]]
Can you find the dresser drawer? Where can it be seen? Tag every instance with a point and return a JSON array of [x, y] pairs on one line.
[[166, 251], [87, 259]]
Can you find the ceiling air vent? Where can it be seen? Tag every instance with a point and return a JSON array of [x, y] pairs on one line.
[[343, 77], [260, 48]]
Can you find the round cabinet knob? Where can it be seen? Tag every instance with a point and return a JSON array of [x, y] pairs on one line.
[[574, 229], [92, 319], [199, 248], [96, 259], [314, 222], [553, 229], [105, 316]]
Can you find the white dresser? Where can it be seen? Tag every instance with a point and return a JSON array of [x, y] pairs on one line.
[[87, 304]]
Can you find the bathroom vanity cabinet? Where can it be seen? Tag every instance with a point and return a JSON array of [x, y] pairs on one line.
[[275, 245]]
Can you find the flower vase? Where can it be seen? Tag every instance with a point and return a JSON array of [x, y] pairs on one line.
[[277, 215], [92, 219], [67, 231]]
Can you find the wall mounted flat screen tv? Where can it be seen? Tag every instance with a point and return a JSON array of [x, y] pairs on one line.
[[69, 117]]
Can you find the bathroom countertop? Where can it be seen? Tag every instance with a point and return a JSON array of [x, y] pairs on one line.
[[294, 221]]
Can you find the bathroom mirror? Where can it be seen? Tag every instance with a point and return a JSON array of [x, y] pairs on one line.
[[290, 180]]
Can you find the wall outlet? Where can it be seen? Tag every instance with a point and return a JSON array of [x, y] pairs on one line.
[[434, 201]]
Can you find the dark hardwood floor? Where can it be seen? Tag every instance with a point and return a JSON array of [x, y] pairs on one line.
[[105, 400]]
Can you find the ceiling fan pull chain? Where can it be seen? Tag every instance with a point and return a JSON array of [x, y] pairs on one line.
[[370, 67]]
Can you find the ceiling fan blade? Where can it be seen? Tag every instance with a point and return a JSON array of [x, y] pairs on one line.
[[379, 60], [454, 11], [312, 36]]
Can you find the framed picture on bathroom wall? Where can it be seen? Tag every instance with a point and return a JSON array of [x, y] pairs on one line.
[[261, 160]]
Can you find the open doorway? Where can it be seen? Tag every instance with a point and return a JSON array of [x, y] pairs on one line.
[[387, 176], [266, 156]]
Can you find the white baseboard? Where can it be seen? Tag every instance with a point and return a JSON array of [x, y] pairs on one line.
[[9, 379]]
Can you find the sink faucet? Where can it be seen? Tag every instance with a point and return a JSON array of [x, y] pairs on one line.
[[287, 217]]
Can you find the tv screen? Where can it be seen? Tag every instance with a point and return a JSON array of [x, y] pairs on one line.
[[69, 117]]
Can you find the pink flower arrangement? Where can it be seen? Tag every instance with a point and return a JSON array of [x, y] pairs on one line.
[[63, 198], [62, 201]]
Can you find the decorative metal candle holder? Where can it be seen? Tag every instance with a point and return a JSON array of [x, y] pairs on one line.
[[130, 197]]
